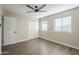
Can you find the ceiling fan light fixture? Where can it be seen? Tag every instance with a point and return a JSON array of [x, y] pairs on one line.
[[36, 13]]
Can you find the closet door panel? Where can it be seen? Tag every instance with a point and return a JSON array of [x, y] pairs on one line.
[[10, 30], [6, 31]]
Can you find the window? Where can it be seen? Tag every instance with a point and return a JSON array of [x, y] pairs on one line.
[[63, 24], [44, 25]]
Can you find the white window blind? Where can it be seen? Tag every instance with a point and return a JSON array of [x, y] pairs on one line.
[[63, 24]]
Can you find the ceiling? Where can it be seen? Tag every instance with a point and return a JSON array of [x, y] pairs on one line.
[[50, 8]]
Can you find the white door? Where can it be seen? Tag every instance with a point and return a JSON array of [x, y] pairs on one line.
[[36, 29], [31, 30], [13, 30], [6, 31], [10, 30]]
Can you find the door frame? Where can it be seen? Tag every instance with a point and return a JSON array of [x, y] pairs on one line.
[[2, 29]]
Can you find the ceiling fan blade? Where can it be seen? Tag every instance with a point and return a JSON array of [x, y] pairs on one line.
[[30, 7], [42, 6], [42, 11], [29, 11]]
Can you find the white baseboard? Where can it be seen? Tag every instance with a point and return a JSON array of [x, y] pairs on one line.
[[18, 41], [21, 41], [60, 43]]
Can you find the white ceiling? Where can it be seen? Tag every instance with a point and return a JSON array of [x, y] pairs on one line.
[[50, 8]]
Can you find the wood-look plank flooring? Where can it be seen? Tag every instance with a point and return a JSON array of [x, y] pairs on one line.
[[38, 47]]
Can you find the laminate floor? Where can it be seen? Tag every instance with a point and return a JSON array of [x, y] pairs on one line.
[[38, 47]]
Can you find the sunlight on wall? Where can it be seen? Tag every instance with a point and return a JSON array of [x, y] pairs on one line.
[[63, 24]]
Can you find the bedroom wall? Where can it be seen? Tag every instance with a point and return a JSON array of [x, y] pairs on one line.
[[23, 33], [65, 38]]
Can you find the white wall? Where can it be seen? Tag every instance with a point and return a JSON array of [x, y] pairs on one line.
[[23, 31], [69, 39]]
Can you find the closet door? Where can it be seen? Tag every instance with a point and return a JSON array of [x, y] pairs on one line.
[[6, 31], [10, 30], [13, 30], [36, 29], [31, 30]]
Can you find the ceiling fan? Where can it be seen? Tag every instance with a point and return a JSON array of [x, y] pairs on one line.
[[36, 8]]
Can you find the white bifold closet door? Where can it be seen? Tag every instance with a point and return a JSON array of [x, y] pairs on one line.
[[10, 30], [33, 29]]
